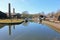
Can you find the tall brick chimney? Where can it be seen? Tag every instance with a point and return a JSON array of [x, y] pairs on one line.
[[9, 10], [13, 10]]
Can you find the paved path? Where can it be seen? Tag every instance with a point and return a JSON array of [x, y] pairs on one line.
[[55, 26]]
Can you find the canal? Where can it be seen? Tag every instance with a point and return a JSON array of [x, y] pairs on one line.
[[28, 31]]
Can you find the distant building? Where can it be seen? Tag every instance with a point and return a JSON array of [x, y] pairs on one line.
[[3, 15], [12, 15]]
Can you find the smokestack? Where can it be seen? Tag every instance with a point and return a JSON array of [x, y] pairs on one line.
[[13, 10], [9, 10]]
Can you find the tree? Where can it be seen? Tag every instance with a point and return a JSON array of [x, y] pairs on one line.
[[25, 14], [58, 15], [51, 15]]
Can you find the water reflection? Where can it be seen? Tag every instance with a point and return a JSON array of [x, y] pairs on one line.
[[9, 29], [30, 31], [13, 26], [2, 25], [38, 21], [25, 23], [10, 26], [54, 28]]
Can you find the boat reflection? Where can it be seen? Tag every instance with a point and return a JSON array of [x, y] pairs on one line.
[[25, 23], [37, 21]]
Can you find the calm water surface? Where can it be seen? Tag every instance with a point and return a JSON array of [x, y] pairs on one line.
[[28, 31]]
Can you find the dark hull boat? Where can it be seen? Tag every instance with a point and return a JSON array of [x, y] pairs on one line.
[[26, 20]]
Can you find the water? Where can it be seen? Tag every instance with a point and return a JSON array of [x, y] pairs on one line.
[[28, 31]]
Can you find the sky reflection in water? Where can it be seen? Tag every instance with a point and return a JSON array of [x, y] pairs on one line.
[[28, 31]]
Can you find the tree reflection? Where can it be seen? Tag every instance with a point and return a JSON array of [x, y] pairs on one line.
[[2, 25]]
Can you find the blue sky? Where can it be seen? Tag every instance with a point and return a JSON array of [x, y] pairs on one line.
[[32, 6]]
